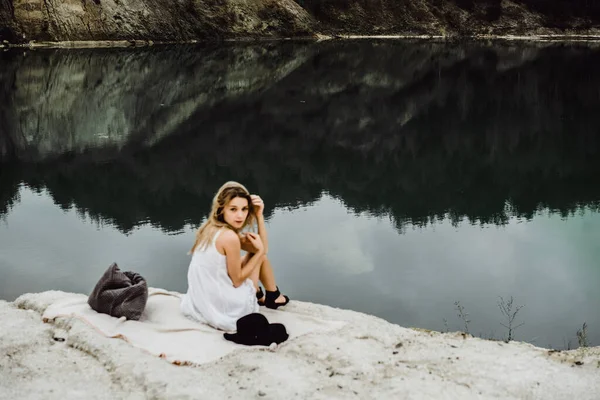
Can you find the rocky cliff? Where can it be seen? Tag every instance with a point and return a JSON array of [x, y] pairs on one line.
[[150, 20], [184, 20]]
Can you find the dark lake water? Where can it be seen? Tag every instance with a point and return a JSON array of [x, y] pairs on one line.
[[399, 177]]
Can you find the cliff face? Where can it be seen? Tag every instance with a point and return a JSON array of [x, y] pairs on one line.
[[455, 17], [162, 20], [7, 28], [156, 20]]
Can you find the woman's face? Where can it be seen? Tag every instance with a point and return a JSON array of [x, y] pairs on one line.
[[236, 212]]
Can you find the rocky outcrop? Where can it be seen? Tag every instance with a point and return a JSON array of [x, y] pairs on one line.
[[7, 22], [153, 20], [185, 20], [456, 17]]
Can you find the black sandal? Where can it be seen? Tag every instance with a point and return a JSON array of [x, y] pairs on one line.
[[259, 296], [272, 296]]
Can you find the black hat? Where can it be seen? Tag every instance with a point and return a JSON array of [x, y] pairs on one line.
[[255, 330]]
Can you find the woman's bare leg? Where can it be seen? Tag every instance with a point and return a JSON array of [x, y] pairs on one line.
[[255, 274], [264, 274], [267, 277]]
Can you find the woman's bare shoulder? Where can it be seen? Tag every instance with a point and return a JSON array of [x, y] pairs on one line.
[[228, 241], [228, 237]]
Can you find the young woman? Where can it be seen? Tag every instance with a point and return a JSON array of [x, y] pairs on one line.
[[223, 285]]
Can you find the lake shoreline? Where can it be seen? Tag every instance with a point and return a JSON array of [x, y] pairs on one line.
[[78, 44], [385, 360]]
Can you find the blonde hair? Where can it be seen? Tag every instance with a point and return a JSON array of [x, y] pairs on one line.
[[215, 221]]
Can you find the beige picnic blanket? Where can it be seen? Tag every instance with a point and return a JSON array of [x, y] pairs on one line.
[[165, 332]]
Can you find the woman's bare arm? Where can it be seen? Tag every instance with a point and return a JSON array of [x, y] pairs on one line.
[[260, 220], [262, 232], [246, 245], [231, 245]]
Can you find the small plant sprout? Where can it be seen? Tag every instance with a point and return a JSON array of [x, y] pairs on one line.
[[506, 307], [462, 315], [582, 336]]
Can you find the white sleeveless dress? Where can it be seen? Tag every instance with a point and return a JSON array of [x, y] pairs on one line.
[[211, 297]]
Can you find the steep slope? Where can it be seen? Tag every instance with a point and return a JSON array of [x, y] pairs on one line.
[[162, 20]]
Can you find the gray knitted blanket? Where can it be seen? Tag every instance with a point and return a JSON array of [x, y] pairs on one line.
[[120, 294]]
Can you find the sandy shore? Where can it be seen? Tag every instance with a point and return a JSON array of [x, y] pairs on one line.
[[369, 358]]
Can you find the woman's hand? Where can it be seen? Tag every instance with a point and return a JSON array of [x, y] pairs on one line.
[[259, 205], [247, 246], [256, 242]]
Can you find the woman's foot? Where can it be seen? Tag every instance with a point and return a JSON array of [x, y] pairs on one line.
[[261, 298], [274, 299], [280, 300]]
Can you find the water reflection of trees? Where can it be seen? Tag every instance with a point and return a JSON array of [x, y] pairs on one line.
[[417, 131]]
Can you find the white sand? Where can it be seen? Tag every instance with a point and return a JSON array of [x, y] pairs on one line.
[[367, 359]]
